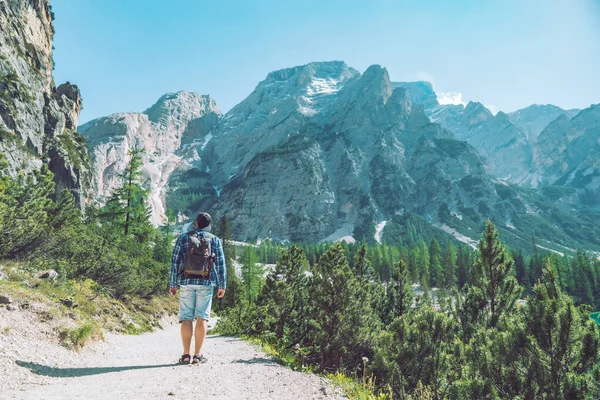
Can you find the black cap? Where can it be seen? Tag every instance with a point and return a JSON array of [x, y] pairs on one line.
[[203, 220]]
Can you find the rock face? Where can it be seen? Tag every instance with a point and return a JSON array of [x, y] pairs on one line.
[[171, 132], [365, 154], [321, 151], [567, 157], [535, 118], [38, 120]]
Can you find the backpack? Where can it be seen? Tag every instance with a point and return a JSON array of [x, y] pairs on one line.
[[199, 259]]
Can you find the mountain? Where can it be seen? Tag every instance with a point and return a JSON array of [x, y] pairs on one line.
[[172, 132], [366, 154], [535, 118], [567, 159], [500, 140], [322, 152], [38, 120]]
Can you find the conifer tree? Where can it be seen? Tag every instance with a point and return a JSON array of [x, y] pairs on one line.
[[285, 297], [423, 264], [435, 262], [362, 266], [449, 267], [520, 269], [128, 207], [463, 265], [223, 231], [252, 273], [494, 269], [561, 344], [414, 351], [338, 313], [399, 295]]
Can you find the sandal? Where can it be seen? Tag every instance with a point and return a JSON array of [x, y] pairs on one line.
[[199, 359], [185, 359]]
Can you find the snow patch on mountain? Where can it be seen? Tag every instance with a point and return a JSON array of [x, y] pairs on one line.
[[379, 230], [343, 234], [457, 235], [206, 140], [552, 250], [318, 90]]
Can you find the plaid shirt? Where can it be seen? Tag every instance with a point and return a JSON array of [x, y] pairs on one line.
[[218, 276]]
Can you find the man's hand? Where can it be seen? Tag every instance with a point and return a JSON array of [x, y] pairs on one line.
[[173, 291], [221, 293]]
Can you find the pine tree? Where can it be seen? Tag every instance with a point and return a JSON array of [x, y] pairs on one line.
[[414, 351], [536, 264], [423, 264], [449, 267], [285, 298], [561, 344], [399, 295], [338, 312], [435, 262], [223, 231], [463, 265], [362, 267], [494, 269], [252, 273], [520, 269], [128, 207]]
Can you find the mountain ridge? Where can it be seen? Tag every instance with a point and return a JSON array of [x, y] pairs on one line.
[[368, 151]]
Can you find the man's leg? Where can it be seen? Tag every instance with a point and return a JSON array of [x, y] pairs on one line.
[[186, 335], [200, 334], [187, 303], [203, 303]]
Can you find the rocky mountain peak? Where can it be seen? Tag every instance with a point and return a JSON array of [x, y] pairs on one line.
[[181, 106], [376, 81], [535, 118], [476, 109]]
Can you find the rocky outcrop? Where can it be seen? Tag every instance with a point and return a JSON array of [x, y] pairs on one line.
[[567, 157], [535, 118], [368, 155], [321, 151], [37, 119], [502, 142], [172, 133]]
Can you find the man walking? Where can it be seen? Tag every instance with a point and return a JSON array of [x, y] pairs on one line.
[[198, 267]]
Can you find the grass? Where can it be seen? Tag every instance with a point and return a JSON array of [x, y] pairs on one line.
[[77, 337], [96, 310], [358, 388], [355, 388]]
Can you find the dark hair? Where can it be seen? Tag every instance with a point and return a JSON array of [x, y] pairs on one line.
[[203, 220]]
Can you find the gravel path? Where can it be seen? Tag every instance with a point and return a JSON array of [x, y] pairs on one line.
[[143, 367]]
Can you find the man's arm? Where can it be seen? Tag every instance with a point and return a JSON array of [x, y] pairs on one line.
[[175, 263], [220, 266]]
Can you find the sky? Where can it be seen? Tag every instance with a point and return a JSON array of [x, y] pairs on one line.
[[506, 54]]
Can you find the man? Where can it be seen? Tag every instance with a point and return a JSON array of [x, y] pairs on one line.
[[196, 291]]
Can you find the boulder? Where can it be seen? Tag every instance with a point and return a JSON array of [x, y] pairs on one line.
[[5, 299], [49, 274]]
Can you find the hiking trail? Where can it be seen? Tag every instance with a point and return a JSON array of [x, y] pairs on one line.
[[144, 367]]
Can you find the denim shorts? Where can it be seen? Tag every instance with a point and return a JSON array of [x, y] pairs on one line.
[[195, 301]]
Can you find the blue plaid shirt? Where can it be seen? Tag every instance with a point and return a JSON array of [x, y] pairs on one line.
[[218, 276]]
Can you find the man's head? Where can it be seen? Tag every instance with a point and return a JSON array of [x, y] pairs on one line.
[[203, 221]]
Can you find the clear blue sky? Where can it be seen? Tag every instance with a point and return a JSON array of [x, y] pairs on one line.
[[124, 54]]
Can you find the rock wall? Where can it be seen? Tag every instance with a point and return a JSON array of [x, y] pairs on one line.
[[38, 120]]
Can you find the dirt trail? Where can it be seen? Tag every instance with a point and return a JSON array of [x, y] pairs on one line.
[[143, 367]]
